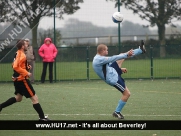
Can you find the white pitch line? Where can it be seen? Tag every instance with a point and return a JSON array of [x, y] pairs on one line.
[[90, 115]]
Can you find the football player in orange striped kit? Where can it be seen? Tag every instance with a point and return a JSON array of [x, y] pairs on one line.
[[21, 81]]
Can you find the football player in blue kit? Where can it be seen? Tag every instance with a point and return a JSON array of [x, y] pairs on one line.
[[109, 69]]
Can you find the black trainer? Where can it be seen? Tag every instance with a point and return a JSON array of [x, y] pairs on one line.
[[142, 47], [118, 115], [44, 119]]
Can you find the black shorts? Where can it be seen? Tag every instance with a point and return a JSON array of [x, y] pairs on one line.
[[24, 88], [120, 85]]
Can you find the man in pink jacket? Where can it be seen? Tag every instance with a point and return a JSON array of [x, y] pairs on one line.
[[48, 52]]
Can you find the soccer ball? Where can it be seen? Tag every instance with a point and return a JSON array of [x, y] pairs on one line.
[[117, 17]]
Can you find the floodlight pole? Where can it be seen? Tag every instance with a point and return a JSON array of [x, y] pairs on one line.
[[119, 30], [54, 41]]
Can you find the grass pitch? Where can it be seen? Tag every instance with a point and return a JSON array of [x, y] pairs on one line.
[[141, 68], [95, 100]]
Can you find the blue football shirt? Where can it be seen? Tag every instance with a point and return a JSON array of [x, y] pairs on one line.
[[111, 74]]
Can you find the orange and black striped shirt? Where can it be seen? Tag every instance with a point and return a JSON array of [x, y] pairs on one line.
[[20, 66]]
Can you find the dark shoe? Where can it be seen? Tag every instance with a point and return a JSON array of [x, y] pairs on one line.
[[142, 47], [45, 119], [118, 115]]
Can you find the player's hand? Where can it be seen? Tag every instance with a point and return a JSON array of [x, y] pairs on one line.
[[130, 53], [29, 66], [29, 74], [124, 70]]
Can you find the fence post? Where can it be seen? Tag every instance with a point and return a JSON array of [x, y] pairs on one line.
[[151, 58], [87, 52], [55, 70]]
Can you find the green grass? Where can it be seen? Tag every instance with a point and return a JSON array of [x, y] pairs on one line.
[[162, 68], [89, 100]]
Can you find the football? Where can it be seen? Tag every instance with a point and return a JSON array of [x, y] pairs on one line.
[[117, 17]]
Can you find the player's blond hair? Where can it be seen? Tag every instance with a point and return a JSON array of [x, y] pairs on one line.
[[101, 47]]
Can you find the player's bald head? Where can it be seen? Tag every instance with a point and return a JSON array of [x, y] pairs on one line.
[[101, 47]]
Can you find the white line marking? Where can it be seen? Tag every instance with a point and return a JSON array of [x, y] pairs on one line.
[[90, 115]]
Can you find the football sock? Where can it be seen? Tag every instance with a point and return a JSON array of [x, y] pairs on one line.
[[120, 106], [39, 110], [9, 102], [137, 52]]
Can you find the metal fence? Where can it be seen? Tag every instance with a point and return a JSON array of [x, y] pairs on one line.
[[75, 63]]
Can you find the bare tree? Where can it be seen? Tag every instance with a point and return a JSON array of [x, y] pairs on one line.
[[29, 12], [156, 12]]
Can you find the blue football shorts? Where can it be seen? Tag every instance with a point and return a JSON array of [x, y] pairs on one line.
[[120, 85]]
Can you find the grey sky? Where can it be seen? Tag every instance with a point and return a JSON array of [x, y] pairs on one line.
[[99, 12]]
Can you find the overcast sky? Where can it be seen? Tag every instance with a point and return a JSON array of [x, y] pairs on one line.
[[99, 12]]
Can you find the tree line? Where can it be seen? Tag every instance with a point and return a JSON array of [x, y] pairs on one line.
[[28, 13]]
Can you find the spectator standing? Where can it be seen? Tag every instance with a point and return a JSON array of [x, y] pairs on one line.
[[30, 55], [48, 52]]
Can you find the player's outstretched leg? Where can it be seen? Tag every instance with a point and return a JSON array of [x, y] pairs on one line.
[[142, 47], [140, 50], [7, 103]]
